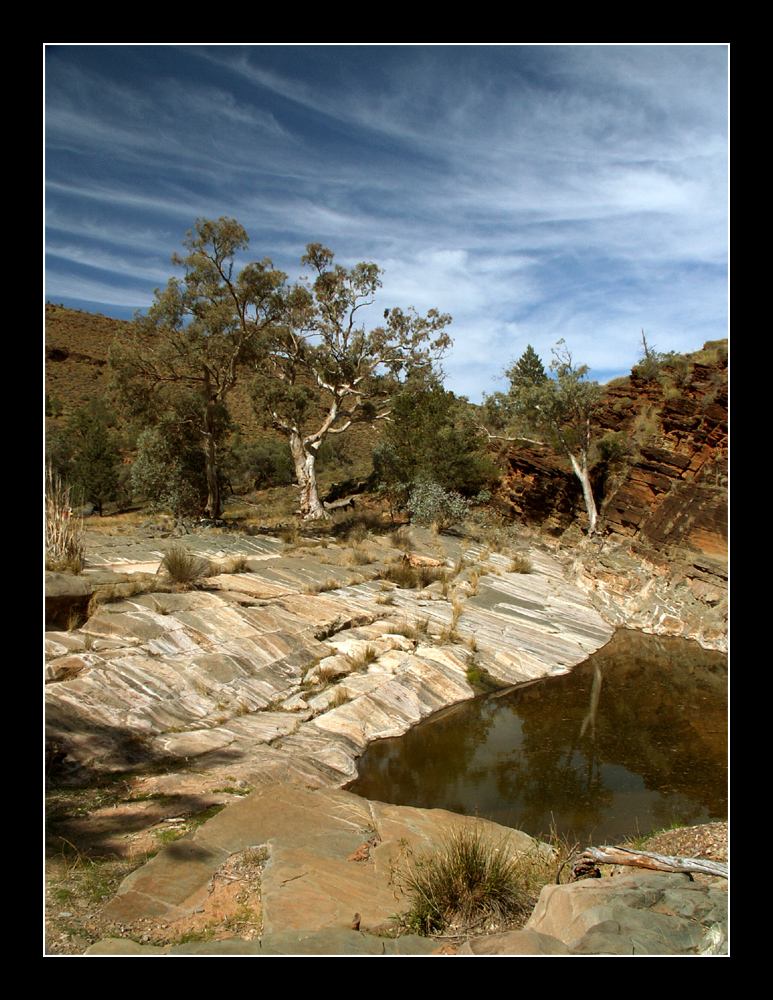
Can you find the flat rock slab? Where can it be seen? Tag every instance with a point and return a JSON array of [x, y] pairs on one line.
[[311, 886], [330, 942]]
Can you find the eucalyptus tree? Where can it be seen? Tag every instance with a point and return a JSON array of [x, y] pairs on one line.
[[185, 357], [559, 409], [324, 369]]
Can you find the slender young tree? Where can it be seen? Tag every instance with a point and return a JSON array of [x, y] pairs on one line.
[[188, 353], [559, 410], [323, 370]]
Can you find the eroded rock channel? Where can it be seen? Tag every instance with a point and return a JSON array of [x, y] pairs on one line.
[[282, 676]]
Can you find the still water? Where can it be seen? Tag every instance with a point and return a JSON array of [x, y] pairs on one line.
[[633, 739]]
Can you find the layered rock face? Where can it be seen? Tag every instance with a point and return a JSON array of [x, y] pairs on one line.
[[260, 677], [661, 561]]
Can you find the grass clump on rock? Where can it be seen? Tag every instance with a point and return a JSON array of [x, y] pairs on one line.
[[469, 883], [183, 566]]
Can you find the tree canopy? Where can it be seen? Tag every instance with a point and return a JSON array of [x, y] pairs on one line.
[[431, 435], [558, 411], [324, 370], [188, 353]]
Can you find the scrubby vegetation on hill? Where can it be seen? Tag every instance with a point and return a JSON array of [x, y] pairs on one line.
[[672, 402]]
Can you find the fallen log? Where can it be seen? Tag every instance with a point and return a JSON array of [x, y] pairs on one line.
[[656, 862]]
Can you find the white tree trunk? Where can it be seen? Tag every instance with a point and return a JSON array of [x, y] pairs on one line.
[[304, 459], [581, 471]]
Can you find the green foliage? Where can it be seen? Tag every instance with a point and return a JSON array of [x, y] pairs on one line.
[[468, 882], [259, 464], [668, 368], [614, 447], [527, 371], [86, 453], [322, 371], [186, 355], [167, 471], [430, 504], [94, 469], [560, 411], [333, 453], [53, 406], [431, 435]]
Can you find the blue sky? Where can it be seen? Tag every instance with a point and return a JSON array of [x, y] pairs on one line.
[[533, 192]]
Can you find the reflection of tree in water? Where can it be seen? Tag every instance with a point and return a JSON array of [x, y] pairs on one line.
[[423, 766], [661, 716], [557, 774], [642, 724]]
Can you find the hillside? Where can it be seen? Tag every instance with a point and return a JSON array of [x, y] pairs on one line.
[[77, 345], [660, 483], [661, 476]]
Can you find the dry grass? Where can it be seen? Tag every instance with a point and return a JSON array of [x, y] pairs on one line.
[[183, 566], [318, 588], [413, 577], [417, 630], [236, 564], [290, 534], [401, 539], [363, 658], [341, 697], [470, 884], [520, 564], [65, 550], [359, 556]]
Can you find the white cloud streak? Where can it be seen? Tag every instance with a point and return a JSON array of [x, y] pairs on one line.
[[532, 193]]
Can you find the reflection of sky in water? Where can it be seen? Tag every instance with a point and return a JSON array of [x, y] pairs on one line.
[[653, 753]]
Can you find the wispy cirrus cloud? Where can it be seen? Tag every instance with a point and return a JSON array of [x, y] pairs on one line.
[[531, 191]]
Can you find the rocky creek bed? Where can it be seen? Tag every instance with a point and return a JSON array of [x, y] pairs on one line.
[[271, 683]]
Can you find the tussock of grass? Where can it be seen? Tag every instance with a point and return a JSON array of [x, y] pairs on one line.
[[413, 577], [415, 631], [520, 564], [65, 550], [318, 588], [236, 564], [290, 534], [359, 556], [401, 539], [469, 883], [183, 566], [341, 697], [362, 659]]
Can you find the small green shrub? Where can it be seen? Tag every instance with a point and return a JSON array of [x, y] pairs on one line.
[[470, 881], [430, 504], [613, 447]]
